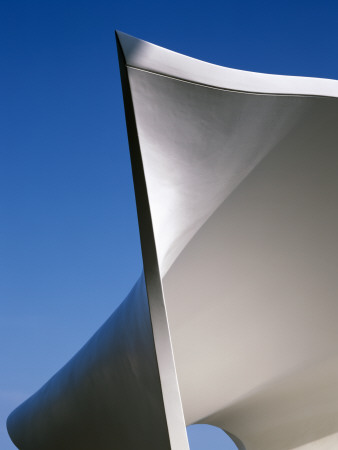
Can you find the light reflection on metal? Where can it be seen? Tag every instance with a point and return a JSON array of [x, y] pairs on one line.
[[236, 183]]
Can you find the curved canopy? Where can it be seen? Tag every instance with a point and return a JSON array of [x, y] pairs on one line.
[[242, 179]]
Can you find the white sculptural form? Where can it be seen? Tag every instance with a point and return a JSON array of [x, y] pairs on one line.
[[236, 183]]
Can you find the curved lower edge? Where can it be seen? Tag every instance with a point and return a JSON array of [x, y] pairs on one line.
[[237, 441]]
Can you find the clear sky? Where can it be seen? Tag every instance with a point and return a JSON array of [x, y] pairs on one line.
[[69, 244]]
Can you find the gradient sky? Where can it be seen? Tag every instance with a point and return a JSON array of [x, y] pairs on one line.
[[69, 244]]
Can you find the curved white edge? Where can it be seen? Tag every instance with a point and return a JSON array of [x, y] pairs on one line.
[[157, 309], [143, 55]]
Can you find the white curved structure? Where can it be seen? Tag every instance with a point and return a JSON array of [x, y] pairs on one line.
[[236, 182]]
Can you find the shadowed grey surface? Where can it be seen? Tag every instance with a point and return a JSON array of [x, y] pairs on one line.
[[252, 299]]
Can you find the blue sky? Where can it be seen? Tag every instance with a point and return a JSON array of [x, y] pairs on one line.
[[69, 245]]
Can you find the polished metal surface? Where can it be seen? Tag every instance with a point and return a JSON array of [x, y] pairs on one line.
[[236, 184]]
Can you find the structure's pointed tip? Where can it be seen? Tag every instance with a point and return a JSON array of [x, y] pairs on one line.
[[121, 36], [118, 33], [130, 46]]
